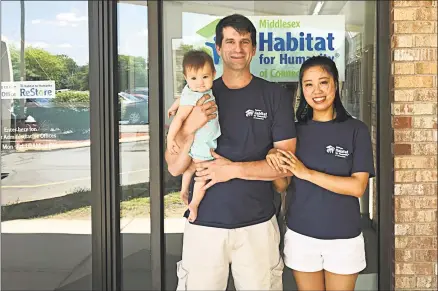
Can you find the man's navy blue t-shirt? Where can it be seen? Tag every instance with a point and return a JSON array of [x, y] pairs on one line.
[[251, 119], [335, 148]]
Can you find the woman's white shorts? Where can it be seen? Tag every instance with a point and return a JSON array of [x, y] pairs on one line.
[[339, 256]]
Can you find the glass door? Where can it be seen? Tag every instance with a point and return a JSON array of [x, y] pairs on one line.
[[134, 150], [191, 24]]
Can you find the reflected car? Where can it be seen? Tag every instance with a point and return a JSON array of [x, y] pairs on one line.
[[141, 97], [133, 109], [139, 90]]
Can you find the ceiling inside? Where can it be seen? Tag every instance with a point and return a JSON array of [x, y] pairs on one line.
[[354, 11]]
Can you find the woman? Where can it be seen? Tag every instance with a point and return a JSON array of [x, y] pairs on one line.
[[324, 245]]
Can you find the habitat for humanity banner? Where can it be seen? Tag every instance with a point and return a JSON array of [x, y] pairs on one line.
[[283, 43]]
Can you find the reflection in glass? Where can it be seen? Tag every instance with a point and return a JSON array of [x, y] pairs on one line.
[[45, 153], [133, 99]]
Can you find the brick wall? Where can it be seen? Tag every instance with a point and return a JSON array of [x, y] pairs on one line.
[[414, 116]]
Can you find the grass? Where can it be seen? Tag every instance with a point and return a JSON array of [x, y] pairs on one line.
[[136, 207], [135, 203]]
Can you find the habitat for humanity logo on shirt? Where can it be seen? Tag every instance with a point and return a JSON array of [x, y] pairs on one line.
[[256, 114], [337, 151]]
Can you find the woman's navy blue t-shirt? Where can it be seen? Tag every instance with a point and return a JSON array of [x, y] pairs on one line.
[[335, 148]]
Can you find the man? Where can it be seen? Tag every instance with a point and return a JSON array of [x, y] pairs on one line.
[[236, 221]]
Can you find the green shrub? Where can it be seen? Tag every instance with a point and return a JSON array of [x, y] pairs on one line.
[[72, 97]]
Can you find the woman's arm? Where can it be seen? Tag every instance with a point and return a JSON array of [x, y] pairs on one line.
[[280, 184], [354, 185]]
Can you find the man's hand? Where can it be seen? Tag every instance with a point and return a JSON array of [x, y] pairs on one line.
[[201, 114], [218, 170]]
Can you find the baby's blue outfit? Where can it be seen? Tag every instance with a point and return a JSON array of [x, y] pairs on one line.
[[206, 136]]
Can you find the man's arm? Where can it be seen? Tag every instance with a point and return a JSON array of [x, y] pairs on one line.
[[260, 170], [222, 169], [283, 128], [280, 185], [200, 115]]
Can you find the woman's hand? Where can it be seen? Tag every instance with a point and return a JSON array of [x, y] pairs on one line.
[[354, 185], [292, 164], [274, 161]]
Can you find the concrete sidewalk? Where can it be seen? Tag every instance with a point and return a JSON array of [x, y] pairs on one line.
[[64, 226], [50, 254], [54, 254]]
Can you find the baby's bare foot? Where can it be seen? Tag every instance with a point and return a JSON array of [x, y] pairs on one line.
[[193, 212], [184, 195]]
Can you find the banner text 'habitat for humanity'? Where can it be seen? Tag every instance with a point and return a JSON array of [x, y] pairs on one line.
[[283, 43]]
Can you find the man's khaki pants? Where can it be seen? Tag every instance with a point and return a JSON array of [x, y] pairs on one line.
[[252, 251]]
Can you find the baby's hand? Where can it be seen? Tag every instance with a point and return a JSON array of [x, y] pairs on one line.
[[273, 160], [171, 112], [173, 108], [172, 147]]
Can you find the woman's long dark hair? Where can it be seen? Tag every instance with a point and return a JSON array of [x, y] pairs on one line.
[[305, 111]]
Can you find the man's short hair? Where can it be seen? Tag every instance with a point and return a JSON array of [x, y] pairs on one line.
[[240, 23]]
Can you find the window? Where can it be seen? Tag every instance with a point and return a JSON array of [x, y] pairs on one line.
[[135, 223], [45, 146]]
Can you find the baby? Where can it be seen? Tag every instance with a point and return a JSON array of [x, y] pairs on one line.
[[199, 72]]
